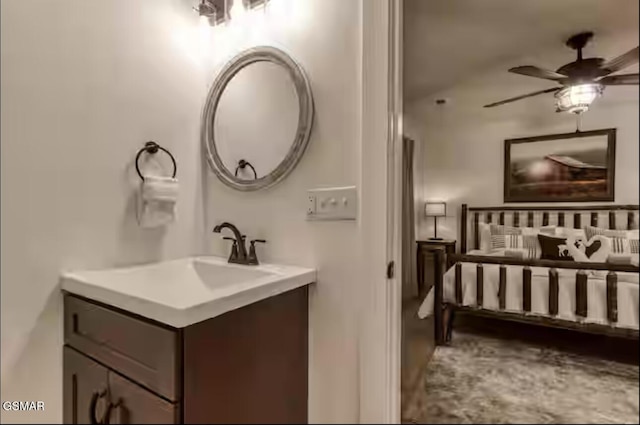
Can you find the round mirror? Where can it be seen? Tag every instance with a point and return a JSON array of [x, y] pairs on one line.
[[257, 119]]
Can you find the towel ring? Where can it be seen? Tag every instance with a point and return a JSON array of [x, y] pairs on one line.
[[152, 148], [241, 166]]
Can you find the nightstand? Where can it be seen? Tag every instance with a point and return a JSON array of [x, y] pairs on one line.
[[425, 249]]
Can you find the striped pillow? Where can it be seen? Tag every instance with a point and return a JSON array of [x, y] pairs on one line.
[[532, 246], [622, 241], [529, 241], [528, 244], [591, 231], [619, 245], [499, 229]]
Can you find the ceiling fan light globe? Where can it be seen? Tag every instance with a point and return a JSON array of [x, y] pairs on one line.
[[577, 99]]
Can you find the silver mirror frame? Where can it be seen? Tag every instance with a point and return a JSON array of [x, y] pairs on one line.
[[305, 117]]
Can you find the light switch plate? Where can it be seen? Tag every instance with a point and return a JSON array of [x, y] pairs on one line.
[[335, 203]]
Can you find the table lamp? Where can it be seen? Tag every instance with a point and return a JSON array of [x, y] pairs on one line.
[[435, 210]]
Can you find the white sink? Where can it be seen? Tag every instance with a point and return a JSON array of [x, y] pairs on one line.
[[186, 291]]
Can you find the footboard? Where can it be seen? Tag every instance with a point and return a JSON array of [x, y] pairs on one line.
[[445, 309]]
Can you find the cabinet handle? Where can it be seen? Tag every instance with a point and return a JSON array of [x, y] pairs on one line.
[[94, 404], [107, 415]]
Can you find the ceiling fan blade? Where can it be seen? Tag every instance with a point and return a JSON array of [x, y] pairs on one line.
[[621, 61], [534, 71], [513, 99], [620, 80]]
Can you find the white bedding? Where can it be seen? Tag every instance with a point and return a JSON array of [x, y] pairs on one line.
[[628, 305]]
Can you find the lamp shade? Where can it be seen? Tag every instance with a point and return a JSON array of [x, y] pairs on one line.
[[435, 209]]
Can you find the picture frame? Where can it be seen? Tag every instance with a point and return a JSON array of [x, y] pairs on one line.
[[567, 167]]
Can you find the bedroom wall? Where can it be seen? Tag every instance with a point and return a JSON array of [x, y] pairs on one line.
[[461, 155]]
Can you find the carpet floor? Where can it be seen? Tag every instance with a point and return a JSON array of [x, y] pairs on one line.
[[483, 379]]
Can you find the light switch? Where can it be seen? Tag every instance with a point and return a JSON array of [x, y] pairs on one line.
[[336, 203]]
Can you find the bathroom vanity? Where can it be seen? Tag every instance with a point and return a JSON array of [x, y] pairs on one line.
[[187, 341], [200, 340]]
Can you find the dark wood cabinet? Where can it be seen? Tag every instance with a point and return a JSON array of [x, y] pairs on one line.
[[425, 256], [85, 388], [246, 366], [133, 404]]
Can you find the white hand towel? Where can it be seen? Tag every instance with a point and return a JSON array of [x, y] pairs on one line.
[[156, 201], [160, 189]]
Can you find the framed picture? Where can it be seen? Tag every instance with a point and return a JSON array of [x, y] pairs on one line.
[[570, 167]]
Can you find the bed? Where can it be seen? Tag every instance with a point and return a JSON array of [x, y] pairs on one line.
[[520, 282]]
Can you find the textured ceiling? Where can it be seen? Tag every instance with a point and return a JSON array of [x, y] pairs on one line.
[[449, 41]]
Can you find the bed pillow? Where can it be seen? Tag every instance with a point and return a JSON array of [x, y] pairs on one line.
[[501, 229], [573, 234], [553, 248], [501, 238], [622, 241], [527, 245], [517, 253], [596, 250], [630, 259], [591, 231], [485, 237]]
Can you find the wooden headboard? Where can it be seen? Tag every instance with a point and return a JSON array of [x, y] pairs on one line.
[[608, 216]]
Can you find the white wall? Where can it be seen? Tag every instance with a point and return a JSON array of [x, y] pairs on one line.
[[83, 86], [324, 37], [463, 143]]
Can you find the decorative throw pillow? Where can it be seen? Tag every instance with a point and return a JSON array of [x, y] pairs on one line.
[[622, 241], [596, 250], [574, 234], [553, 248], [527, 244], [500, 237]]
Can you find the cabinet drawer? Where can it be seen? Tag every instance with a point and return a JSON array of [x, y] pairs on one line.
[[145, 352]]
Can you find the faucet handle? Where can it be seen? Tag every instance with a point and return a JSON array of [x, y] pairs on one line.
[[253, 257], [234, 248]]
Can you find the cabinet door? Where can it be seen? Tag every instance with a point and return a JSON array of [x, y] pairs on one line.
[[85, 389], [133, 404]]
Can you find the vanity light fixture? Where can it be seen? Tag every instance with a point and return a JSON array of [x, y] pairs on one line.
[[240, 7], [252, 4], [212, 10], [218, 11]]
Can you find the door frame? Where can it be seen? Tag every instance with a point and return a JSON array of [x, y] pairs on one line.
[[380, 320]]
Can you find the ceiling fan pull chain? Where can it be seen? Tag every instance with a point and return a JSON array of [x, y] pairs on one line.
[[578, 120]]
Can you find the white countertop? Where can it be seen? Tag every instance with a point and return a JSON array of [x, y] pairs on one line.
[[182, 292]]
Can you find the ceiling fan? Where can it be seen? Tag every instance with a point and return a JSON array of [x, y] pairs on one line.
[[582, 80]]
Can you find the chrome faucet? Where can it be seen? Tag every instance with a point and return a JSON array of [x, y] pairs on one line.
[[238, 255]]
